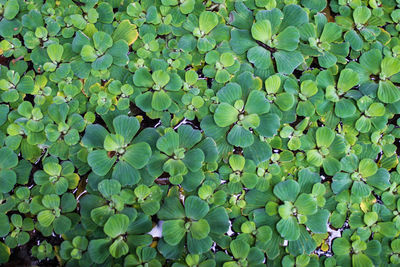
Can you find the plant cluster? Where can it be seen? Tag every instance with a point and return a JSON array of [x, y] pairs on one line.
[[248, 133]]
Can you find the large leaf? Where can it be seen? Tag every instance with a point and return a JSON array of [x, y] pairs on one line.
[[116, 225], [287, 190], [137, 155], [240, 249], [288, 39], [200, 229], [288, 228], [306, 204], [262, 31], [98, 250], [126, 126], [318, 222], [388, 92], [55, 52], [225, 115], [287, 62], [240, 136], [101, 162], [331, 32], [160, 101], [8, 159], [8, 179], [102, 41], [173, 231], [125, 31], [207, 21], [195, 208], [257, 103], [168, 143]]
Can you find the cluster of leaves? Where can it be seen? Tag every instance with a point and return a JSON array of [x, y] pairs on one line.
[[200, 133]]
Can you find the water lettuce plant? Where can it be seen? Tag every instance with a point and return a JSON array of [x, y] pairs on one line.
[[200, 133]]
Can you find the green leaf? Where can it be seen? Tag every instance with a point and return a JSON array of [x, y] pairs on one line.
[[200, 229], [269, 125], [8, 179], [137, 155], [331, 165], [225, 115], [118, 248], [371, 61], [4, 253], [52, 168], [171, 209], [195, 208], [11, 9], [239, 136], [173, 231], [88, 53], [363, 124], [98, 250], [109, 188], [125, 31], [102, 41], [324, 137], [260, 58], [160, 101], [288, 39], [388, 229], [360, 189], [388, 92], [188, 136], [4, 225], [341, 246], [262, 31], [237, 162], [207, 21], [194, 159], [114, 142], [125, 173], [348, 79], [168, 143], [142, 78], [160, 77], [218, 220], [62, 224], [390, 66], [126, 126], [94, 136], [100, 162], [361, 260], [288, 228], [8, 159], [367, 167], [257, 103], [318, 222], [239, 248], [380, 180], [101, 214], [331, 32], [287, 62], [241, 41], [361, 14], [55, 52], [294, 15], [116, 225], [103, 62], [46, 218], [306, 204], [345, 108], [287, 190]]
